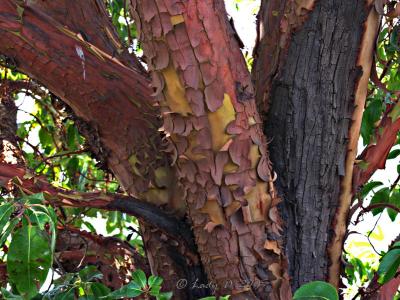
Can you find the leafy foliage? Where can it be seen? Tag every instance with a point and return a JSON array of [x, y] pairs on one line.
[[28, 260], [31, 226], [318, 290], [389, 264]]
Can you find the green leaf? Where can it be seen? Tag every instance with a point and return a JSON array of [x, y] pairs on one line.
[[389, 265], [90, 273], [130, 290], [51, 218], [33, 199], [155, 290], [140, 278], [67, 295], [89, 226], [99, 289], [5, 212], [8, 295], [394, 154], [8, 230], [381, 196], [28, 260], [369, 187], [38, 218], [164, 296], [394, 200], [155, 281], [316, 290]]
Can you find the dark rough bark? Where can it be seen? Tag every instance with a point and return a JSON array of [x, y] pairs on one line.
[[276, 22], [312, 102]]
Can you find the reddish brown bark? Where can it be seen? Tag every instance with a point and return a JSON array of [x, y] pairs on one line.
[[207, 102], [90, 20], [99, 88]]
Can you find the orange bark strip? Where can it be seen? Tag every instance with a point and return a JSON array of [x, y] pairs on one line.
[[374, 156], [207, 101], [340, 221]]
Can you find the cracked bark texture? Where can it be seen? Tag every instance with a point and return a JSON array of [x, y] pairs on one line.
[[310, 113], [276, 22], [207, 102]]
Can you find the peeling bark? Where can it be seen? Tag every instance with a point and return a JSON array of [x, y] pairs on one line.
[[209, 112], [312, 102]]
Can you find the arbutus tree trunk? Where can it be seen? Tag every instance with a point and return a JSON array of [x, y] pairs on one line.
[[208, 106], [308, 85]]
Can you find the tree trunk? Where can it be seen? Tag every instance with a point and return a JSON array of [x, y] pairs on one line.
[[207, 103], [311, 71], [321, 75]]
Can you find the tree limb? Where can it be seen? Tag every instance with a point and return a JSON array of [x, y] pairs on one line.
[[145, 212], [111, 97], [375, 155]]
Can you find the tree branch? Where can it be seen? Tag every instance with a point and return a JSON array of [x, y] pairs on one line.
[[114, 99], [145, 212], [375, 155], [90, 19], [114, 258]]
